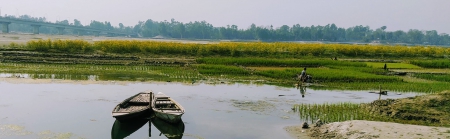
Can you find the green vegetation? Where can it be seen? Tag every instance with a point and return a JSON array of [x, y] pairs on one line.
[[237, 49], [334, 112], [432, 63], [435, 77], [265, 62], [431, 110], [270, 63], [103, 72], [392, 65]]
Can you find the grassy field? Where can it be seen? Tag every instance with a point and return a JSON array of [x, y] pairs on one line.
[[430, 110], [392, 65], [420, 69], [269, 63]]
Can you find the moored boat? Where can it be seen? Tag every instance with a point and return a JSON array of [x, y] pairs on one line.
[[166, 108], [134, 106]]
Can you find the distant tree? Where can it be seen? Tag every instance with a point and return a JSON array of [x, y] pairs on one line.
[[121, 26], [77, 22]]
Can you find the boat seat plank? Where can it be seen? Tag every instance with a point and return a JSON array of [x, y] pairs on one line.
[[168, 109], [164, 102]]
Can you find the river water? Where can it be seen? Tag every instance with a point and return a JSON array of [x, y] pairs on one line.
[[48, 108]]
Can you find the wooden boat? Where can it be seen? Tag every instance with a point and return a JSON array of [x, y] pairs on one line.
[[135, 106], [170, 130], [166, 108]]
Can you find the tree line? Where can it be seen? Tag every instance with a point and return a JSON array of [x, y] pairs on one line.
[[205, 30]]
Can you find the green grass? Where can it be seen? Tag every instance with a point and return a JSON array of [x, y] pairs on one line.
[[270, 62], [103, 72], [419, 87], [443, 63], [323, 75], [392, 65], [434, 77], [429, 110]]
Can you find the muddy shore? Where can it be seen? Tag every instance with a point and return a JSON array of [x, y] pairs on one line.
[[369, 129]]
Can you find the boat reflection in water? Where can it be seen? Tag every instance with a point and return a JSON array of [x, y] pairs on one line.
[[170, 130], [123, 129]]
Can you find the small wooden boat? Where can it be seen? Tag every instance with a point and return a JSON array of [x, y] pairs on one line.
[[166, 108], [134, 106], [170, 130]]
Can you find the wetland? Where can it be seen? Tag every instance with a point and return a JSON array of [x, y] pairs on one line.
[[65, 88]]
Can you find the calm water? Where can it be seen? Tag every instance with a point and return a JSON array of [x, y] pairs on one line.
[[83, 110]]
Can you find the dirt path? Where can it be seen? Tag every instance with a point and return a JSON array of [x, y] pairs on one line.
[[359, 129]]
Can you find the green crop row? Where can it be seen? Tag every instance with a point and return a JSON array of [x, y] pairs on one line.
[[221, 70], [435, 77], [278, 62], [329, 75], [432, 63]]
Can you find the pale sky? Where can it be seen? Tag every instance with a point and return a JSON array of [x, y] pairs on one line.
[[395, 14]]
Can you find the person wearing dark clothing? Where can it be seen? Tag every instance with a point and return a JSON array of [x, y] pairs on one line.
[[303, 75]]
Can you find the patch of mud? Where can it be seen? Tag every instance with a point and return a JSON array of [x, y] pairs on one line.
[[370, 129], [260, 106]]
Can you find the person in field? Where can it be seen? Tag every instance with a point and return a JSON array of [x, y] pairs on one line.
[[303, 75]]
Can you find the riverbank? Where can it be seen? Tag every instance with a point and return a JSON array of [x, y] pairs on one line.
[[429, 113], [369, 129]]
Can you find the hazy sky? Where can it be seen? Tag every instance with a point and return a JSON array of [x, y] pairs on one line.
[[395, 14]]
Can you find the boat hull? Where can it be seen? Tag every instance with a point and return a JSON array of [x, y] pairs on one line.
[[166, 108], [171, 118], [135, 106], [134, 115]]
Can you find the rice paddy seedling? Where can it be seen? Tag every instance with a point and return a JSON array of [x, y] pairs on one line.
[[419, 87], [324, 75], [392, 65], [103, 72], [334, 112], [445, 63], [221, 69], [278, 62], [435, 77]]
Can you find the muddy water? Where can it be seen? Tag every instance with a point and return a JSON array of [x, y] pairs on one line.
[[32, 108]]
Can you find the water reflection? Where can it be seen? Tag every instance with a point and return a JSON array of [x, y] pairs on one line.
[[302, 90], [171, 131], [123, 129]]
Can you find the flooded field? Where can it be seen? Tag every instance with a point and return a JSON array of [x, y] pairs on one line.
[[46, 108]]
